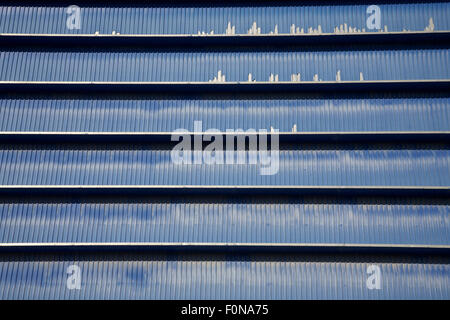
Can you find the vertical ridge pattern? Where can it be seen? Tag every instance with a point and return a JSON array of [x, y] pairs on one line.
[[141, 166], [175, 66], [161, 278], [125, 218], [93, 114], [241, 222], [177, 20]]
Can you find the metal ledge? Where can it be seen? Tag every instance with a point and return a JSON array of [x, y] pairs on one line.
[[69, 190], [143, 137], [236, 86], [217, 247], [408, 37]]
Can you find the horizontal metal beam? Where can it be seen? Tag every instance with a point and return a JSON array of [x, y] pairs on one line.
[[226, 247], [143, 137], [239, 86], [27, 190], [406, 37]]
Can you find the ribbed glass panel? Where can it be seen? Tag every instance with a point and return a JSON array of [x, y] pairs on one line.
[[329, 220], [126, 165], [177, 20], [296, 221], [93, 114], [207, 278], [173, 66]]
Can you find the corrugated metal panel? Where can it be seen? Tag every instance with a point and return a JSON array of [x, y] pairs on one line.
[[169, 277], [179, 20], [37, 217], [137, 114], [234, 221], [144, 166], [204, 66]]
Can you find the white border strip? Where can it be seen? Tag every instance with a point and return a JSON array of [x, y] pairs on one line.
[[302, 133], [305, 35], [220, 245], [418, 81], [251, 187]]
